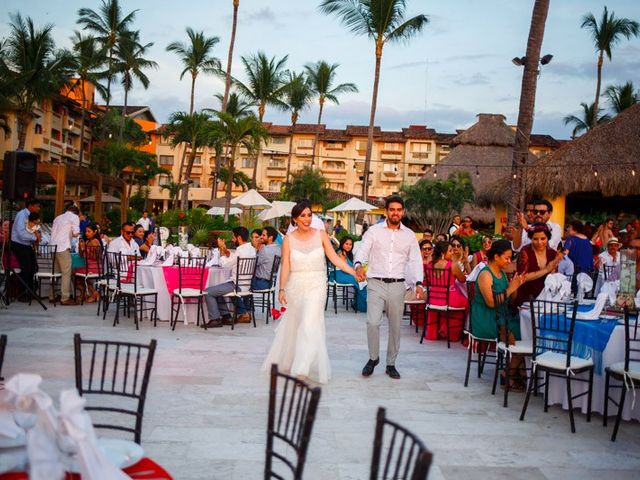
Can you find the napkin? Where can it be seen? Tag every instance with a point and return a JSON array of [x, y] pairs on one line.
[[215, 258], [637, 299], [556, 288], [594, 313], [76, 426], [585, 284], [8, 426], [611, 288], [168, 260], [473, 276]]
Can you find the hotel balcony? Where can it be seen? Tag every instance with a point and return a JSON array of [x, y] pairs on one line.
[[421, 157], [390, 177], [395, 156]]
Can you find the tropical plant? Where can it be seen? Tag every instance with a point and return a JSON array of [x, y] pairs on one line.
[[584, 123], [266, 79], [196, 130], [130, 63], [110, 27], [322, 76], [431, 201], [383, 21], [297, 95], [240, 179], [307, 183], [36, 70], [236, 132], [605, 35], [106, 127], [173, 188], [622, 96]]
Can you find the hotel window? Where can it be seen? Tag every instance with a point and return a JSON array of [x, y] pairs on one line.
[[197, 160], [421, 147], [305, 143], [278, 140], [195, 182], [248, 162], [361, 145], [166, 159], [163, 179], [38, 129], [274, 186], [55, 134], [392, 146], [390, 167]]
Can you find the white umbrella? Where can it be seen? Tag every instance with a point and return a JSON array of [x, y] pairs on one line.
[[353, 205], [106, 198], [220, 211], [278, 209], [251, 198]]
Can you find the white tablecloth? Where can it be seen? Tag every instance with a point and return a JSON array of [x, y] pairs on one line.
[[151, 276], [614, 352]]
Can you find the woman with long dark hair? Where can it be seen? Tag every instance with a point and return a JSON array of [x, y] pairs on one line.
[[345, 251]]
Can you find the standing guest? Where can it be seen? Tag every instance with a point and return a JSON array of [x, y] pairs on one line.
[[328, 227], [256, 239], [84, 221], [345, 251], [65, 227], [603, 234], [535, 262], [542, 214], [635, 245], [453, 228], [215, 295], [124, 243], [466, 229], [91, 248], [22, 245], [365, 227], [266, 255], [529, 212], [427, 234], [579, 247], [338, 228], [481, 255], [145, 221], [393, 257]]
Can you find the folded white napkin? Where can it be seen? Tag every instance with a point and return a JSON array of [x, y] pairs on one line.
[[585, 284], [556, 288], [8, 426], [473, 276], [214, 258], [593, 314], [611, 288], [168, 261], [637, 299]]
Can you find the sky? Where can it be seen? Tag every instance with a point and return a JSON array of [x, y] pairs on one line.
[[459, 66]]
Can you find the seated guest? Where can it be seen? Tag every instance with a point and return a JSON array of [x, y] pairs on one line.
[[345, 251], [481, 255], [89, 247], [124, 243], [436, 322], [566, 266], [138, 237], [266, 254], [635, 245], [215, 295], [611, 256], [418, 311], [256, 239], [460, 254], [466, 229], [145, 246], [492, 278], [535, 262], [579, 247]]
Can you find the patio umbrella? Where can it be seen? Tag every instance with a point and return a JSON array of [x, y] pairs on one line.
[[353, 205], [106, 198], [251, 199], [278, 209], [220, 211]]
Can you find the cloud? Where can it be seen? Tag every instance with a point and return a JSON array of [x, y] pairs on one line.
[[401, 66], [264, 15], [475, 79]]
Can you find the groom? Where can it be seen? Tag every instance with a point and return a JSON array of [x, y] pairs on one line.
[[393, 256]]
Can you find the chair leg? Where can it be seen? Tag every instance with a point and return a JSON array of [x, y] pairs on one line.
[[252, 310], [117, 316], [497, 372], [546, 392], [507, 378], [173, 321], [469, 354], [268, 306], [526, 401], [589, 395], [335, 299], [135, 310], [446, 321], [570, 402], [481, 359], [605, 413], [619, 415]]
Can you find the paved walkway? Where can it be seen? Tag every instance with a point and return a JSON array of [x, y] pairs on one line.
[[206, 413]]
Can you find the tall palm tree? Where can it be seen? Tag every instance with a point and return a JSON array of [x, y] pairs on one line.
[[383, 21], [37, 70], [110, 27], [526, 107], [196, 130], [130, 63], [322, 75], [606, 34], [622, 96], [89, 58], [227, 78], [266, 80], [236, 132], [298, 93], [585, 122]]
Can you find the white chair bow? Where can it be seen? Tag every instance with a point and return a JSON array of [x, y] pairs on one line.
[[556, 288]]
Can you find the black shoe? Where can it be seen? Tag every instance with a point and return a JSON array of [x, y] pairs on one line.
[[214, 324], [368, 368], [392, 372]]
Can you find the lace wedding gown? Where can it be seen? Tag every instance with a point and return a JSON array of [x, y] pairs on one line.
[[300, 345]]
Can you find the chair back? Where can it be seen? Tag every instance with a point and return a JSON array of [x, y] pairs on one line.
[[331, 271], [403, 454], [93, 260], [106, 370], [3, 347], [205, 252], [611, 272], [273, 278], [501, 305], [292, 412], [191, 273], [438, 284], [46, 256], [126, 269], [631, 337], [552, 325], [246, 269]]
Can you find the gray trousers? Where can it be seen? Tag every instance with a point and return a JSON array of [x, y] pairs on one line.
[[382, 297], [215, 295], [63, 265]]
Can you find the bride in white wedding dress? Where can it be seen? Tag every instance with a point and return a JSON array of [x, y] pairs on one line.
[[300, 345]]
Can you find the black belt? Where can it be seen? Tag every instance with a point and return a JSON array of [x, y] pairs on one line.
[[265, 279], [389, 280]]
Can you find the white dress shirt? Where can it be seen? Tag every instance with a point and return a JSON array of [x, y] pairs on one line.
[[65, 227], [391, 253], [120, 245], [556, 236], [607, 259], [145, 222], [245, 250]]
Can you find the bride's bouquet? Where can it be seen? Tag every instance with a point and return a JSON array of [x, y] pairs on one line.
[[276, 314]]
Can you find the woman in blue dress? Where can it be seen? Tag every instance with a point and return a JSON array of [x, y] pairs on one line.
[[345, 251]]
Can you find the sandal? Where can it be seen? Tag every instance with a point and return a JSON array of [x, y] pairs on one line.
[[514, 386]]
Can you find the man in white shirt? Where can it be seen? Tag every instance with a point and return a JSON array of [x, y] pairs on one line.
[[145, 221], [455, 225], [125, 243], [542, 210], [65, 227], [393, 257], [215, 295]]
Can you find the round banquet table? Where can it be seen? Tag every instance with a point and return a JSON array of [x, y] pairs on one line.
[[165, 278], [613, 352]]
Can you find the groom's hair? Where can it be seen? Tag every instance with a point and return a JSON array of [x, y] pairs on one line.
[[393, 199], [241, 232]]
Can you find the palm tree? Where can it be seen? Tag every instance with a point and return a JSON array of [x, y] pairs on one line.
[[584, 123], [307, 183], [383, 21], [37, 70], [196, 57], [622, 96], [264, 87], [240, 179], [227, 78], [173, 188], [297, 94], [89, 59], [195, 129], [110, 27], [606, 34], [322, 75], [130, 62], [236, 132]]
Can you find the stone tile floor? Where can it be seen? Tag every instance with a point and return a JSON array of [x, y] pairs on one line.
[[205, 416]]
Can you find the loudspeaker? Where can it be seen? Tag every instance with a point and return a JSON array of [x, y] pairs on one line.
[[19, 179]]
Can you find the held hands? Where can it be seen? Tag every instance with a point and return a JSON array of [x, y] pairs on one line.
[[282, 297], [360, 274], [419, 292]]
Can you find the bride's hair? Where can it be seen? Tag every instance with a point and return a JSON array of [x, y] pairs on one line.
[[298, 208]]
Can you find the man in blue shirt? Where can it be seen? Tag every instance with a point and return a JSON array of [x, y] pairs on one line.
[[22, 244]]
